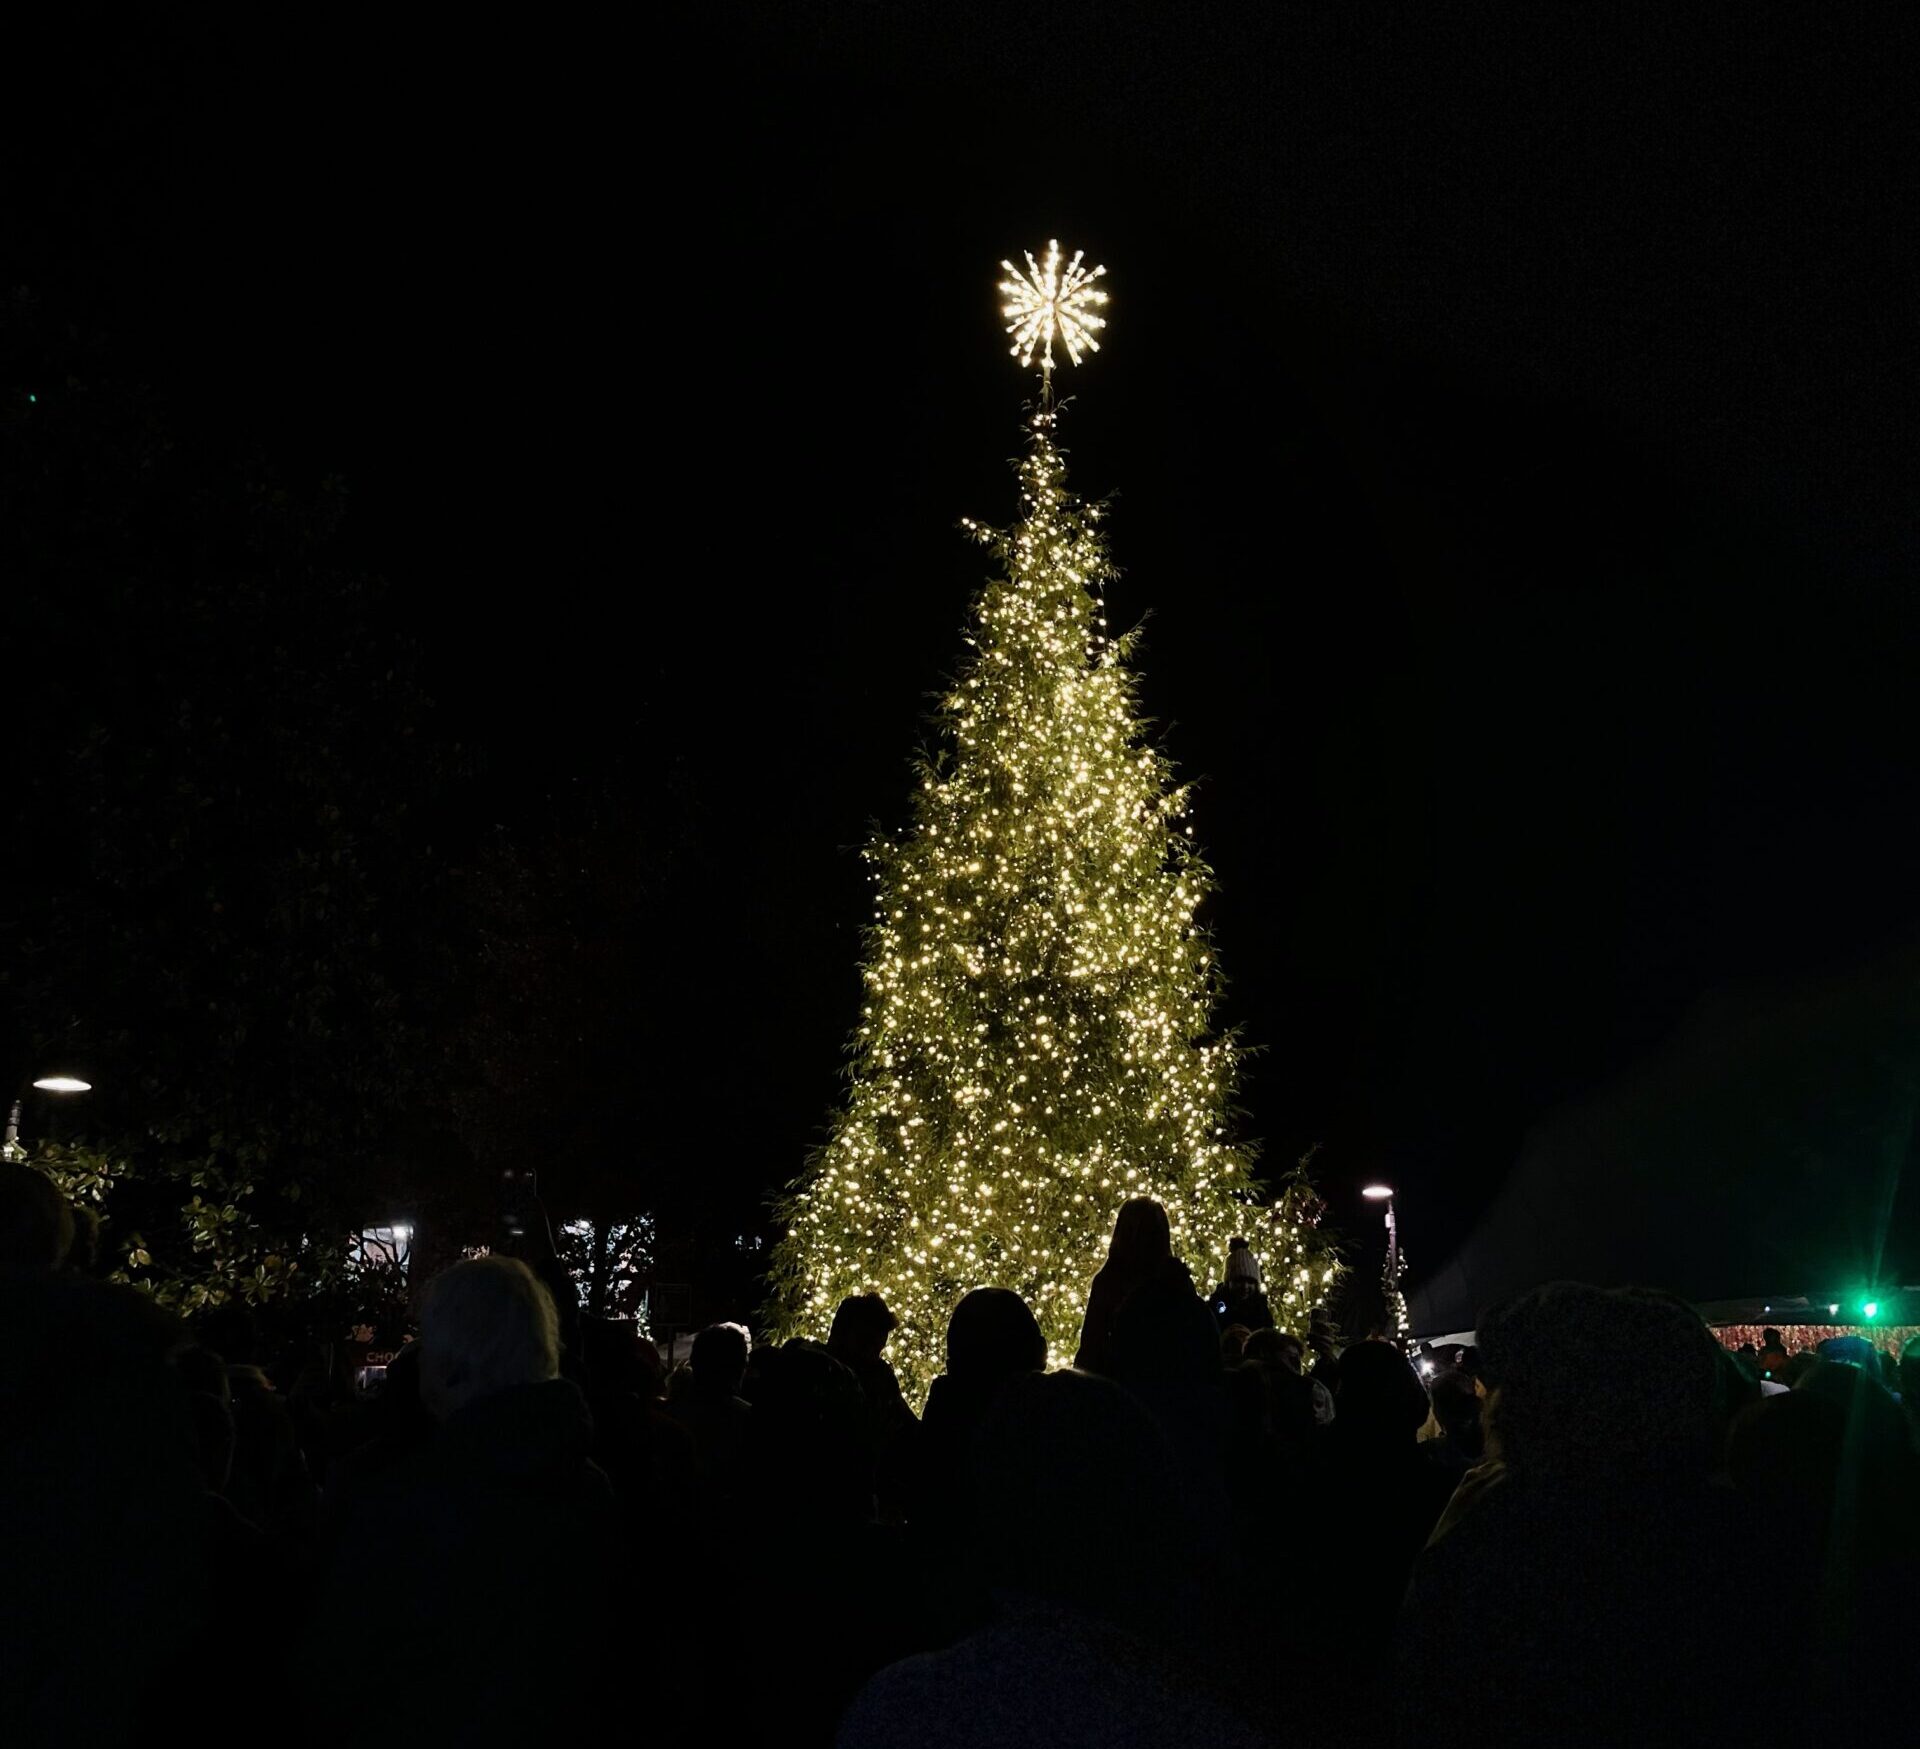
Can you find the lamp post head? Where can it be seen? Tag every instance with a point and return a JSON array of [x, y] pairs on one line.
[[1378, 1193], [63, 1084]]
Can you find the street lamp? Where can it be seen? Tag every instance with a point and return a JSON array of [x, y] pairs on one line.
[[46, 1084], [1396, 1265]]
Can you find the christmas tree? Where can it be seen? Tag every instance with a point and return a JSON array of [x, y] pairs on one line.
[[1036, 1043]]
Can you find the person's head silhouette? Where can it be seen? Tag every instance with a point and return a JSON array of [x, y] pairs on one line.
[[861, 1325], [719, 1359], [1584, 1377], [486, 1325], [1142, 1236], [36, 1221], [1078, 1500], [1380, 1396], [991, 1336]]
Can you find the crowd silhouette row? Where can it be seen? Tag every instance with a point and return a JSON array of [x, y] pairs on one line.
[[1594, 1527]]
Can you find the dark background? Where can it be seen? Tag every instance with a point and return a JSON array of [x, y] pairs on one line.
[[1511, 416]]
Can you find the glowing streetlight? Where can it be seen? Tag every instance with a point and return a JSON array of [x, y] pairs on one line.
[[46, 1084], [1396, 1265]]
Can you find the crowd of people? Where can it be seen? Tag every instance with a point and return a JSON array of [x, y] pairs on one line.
[[1594, 1527]]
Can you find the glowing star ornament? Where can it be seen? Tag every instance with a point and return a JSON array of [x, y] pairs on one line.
[[1045, 301]]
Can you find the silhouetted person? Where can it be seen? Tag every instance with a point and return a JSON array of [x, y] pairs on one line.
[[1276, 1348], [395, 1428], [1323, 1337], [810, 1510], [100, 1490], [36, 1221], [1799, 1365], [1830, 1478], [1300, 1408], [487, 1547], [271, 1485], [1854, 1351], [1590, 1560], [654, 1468], [1786, 1456], [711, 1408], [862, 1327], [1240, 1298], [1456, 1406], [1166, 1352], [1266, 1468], [1164, 1333], [1736, 1384], [326, 1419], [649, 1457], [992, 1339], [1378, 1496], [809, 1439], [252, 1608], [1299, 1404], [1141, 1246], [1081, 1541], [83, 1256]]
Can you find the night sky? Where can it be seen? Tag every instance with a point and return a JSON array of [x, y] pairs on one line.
[[1511, 422]]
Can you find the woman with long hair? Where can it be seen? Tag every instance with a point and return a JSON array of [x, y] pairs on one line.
[[1141, 1247]]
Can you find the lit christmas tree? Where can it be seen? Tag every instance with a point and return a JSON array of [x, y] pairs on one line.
[[1036, 1043]]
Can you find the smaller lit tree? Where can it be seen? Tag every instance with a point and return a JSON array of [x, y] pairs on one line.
[[611, 1261]]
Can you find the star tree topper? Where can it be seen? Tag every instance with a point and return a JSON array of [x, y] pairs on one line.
[[1045, 301]]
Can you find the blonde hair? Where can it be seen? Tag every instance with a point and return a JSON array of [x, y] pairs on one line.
[[486, 1325]]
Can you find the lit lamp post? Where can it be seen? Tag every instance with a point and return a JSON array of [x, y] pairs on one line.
[[10, 1148], [1396, 1265]]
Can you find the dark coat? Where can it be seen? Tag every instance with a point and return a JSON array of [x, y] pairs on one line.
[[1107, 1296], [483, 1557], [99, 1512], [1615, 1607]]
